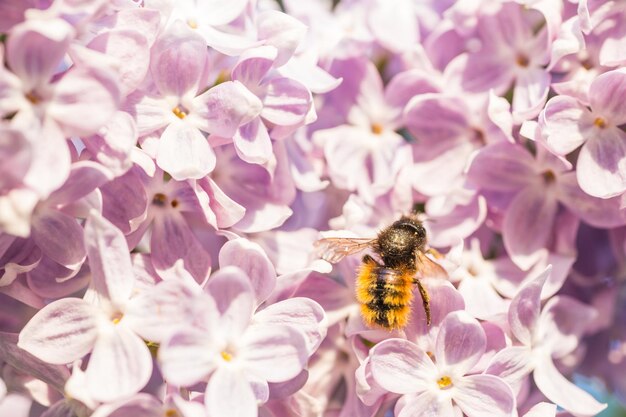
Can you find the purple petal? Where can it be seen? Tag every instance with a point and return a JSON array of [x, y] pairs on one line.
[[85, 176], [481, 72], [230, 394], [61, 332], [34, 51], [253, 65], [109, 259], [601, 168], [428, 403], [234, 296], [124, 199], [188, 357], [178, 60], [252, 142], [184, 152], [120, 365], [281, 31], [460, 343], [114, 148], [562, 324], [302, 314], [225, 107], [528, 223], [435, 117], [51, 280], [251, 258], [502, 167], [60, 237], [513, 364], [157, 313], [598, 212], [530, 93], [84, 100], [604, 94], [141, 405], [399, 366], [563, 118], [275, 353], [227, 211], [131, 51], [408, 84], [542, 410], [561, 391], [286, 102], [484, 395], [525, 307], [174, 245]]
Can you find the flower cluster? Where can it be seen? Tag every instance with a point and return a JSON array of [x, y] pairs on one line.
[[166, 168]]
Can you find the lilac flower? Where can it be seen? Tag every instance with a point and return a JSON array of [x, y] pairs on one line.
[[237, 351], [568, 124], [437, 387], [179, 105], [545, 335], [537, 185], [67, 329]]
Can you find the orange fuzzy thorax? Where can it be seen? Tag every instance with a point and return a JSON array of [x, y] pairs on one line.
[[385, 295]]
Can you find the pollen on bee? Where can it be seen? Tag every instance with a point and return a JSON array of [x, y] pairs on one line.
[[444, 382]]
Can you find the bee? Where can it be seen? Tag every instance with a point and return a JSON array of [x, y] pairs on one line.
[[384, 286]]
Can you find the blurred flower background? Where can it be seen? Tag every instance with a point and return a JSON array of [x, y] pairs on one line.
[[166, 168]]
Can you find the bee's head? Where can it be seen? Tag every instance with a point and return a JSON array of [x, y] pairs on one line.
[[397, 243]]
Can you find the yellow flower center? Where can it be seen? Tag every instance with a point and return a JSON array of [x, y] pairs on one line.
[[444, 382], [226, 356], [600, 122], [377, 128], [117, 317], [179, 113], [170, 412], [192, 23], [159, 199], [522, 60]]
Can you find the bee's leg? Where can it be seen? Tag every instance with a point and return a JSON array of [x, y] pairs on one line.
[[367, 259], [425, 299]]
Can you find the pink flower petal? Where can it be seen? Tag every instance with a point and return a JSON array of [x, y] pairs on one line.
[[281, 31], [120, 365], [601, 169], [275, 353], [436, 117], [251, 258], [484, 395], [513, 364], [227, 211], [561, 391], [461, 342], [563, 118], [399, 366], [131, 51], [525, 307], [178, 60], [252, 142], [253, 65], [174, 245], [225, 107], [61, 332], [230, 394], [184, 152], [426, 404], [286, 102], [85, 176], [188, 357], [542, 410], [302, 314], [60, 237], [109, 259], [528, 223], [502, 167], [598, 212], [234, 296], [604, 94], [530, 93], [141, 405], [34, 51], [84, 100]]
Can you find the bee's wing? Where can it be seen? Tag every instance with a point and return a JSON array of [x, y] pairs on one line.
[[427, 268], [334, 249]]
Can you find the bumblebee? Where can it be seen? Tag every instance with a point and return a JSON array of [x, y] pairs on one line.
[[384, 286]]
